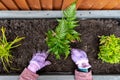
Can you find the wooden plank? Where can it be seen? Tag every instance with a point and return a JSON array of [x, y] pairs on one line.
[[57, 4], [34, 4], [86, 4], [10, 4], [2, 6], [22, 4], [118, 6], [111, 5], [79, 2], [47, 4], [99, 4], [67, 3]]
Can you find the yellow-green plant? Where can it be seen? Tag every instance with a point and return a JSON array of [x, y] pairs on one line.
[[109, 49], [5, 49], [59, 40]]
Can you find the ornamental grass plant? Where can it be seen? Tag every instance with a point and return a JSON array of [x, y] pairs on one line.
[[5, 49]]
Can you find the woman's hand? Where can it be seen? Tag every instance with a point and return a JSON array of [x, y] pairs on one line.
[[80, 58], [38, 61]]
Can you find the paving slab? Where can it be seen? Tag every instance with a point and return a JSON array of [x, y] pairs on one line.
[[65, 77], [83, 14]]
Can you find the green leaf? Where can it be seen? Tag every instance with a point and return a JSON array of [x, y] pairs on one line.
[[70, 12]]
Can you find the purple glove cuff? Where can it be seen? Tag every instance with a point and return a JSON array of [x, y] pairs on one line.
[[34, 62], [83, 64], [33, 67]]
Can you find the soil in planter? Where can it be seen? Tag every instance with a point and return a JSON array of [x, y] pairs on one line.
[[34, 33]]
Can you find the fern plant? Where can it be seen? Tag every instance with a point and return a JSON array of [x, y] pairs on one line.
[[109, 49], [59, 40], [5, 49]]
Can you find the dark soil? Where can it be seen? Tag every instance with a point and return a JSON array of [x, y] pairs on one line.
[[34, 33]]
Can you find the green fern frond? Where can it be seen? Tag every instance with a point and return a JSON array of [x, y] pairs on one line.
[[59, 40], [70, 12]]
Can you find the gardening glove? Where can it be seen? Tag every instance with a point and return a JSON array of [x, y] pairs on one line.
[[80, 59], [38, 61]]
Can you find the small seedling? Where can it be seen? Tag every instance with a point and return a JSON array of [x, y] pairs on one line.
[[109, 49], [5, 49], [59, 40]]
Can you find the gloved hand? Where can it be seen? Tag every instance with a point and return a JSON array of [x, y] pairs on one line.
[[38, 61], [80, 58]]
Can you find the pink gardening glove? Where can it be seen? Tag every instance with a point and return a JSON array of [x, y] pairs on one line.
[[80, 58], [38, 61]]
